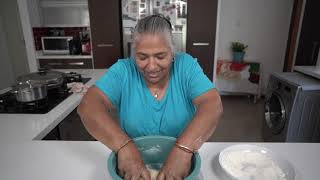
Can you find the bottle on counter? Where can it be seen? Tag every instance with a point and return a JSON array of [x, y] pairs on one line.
[[85, 44], [75, 46]]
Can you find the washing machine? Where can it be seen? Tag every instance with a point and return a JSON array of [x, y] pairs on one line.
[[292, 108]]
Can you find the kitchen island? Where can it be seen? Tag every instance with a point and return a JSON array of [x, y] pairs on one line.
[[52, 160], [35, 126], [24, 156]]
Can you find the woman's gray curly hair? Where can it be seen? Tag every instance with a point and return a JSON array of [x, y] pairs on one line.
[[153, 24]]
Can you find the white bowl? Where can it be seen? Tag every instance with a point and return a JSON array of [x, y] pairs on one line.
[[251, 162]]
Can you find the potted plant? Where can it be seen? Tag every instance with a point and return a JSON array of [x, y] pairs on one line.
[[238, 50]]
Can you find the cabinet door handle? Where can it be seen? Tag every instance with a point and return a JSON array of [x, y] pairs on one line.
[[55, 64], [76, 63], [200, 44], [105, 45]]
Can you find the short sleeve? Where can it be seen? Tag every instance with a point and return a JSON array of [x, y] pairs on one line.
[[197, 82], [111, 82]]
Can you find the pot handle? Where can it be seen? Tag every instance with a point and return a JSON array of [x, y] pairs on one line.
[[13, 90], [29, 82], [42, 71]]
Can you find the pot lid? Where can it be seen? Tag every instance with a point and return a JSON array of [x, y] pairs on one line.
[[46, 77]]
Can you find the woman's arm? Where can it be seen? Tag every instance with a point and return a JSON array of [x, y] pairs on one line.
[[203, 124], [209, 110], [95, 112]]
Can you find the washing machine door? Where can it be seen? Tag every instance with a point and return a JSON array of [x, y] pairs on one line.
[[275, 114]]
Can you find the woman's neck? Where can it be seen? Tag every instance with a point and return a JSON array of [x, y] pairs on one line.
[[162, 84]]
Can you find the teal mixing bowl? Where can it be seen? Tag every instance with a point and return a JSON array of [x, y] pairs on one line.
[[154, 150]]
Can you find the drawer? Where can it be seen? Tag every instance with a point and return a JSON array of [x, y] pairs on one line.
[[66, 63]]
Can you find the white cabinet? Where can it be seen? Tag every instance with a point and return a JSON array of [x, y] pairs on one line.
[[58, 13], [65, 13]]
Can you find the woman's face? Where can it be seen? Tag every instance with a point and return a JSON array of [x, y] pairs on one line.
[[153, 57]]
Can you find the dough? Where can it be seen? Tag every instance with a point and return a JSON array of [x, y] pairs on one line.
[[153, 172]]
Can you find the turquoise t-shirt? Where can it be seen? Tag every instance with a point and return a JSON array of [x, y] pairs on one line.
[[140, 114]]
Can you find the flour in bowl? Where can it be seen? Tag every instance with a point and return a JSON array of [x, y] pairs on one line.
[[154, 173], [251, 165], [154, 169]]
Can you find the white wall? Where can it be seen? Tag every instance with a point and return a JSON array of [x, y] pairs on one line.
[[27, 35], [261, 24], [6, 72], [13, 33], [34, 13]]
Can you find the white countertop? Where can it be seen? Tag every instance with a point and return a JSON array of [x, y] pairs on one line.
[[52, 160], [40, 55], [23, 156], [313, 71]]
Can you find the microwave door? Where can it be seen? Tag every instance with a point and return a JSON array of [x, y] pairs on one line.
[[52, 45]]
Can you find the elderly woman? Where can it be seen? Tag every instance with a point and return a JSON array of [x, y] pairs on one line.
[[155, 92]]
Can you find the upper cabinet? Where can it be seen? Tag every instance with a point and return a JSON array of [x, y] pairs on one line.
[[58, 13], [105, 26]]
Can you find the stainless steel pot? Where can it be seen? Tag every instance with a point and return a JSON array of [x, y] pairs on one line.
[[53, 79], [30, 91]]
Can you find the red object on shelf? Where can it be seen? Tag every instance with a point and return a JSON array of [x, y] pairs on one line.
[[86, 48], [237, 66]]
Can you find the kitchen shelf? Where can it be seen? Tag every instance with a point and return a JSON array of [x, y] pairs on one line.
[[40, 55], [239, 78], [64, 57]]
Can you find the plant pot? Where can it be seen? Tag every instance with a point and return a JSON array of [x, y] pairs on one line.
[[238, 57]]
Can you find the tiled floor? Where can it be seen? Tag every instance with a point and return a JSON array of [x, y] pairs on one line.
[[241, 120]]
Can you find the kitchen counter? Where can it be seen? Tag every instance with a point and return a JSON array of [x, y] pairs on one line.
[[23, 156], [21, 127], [52, 160], [313, 71]]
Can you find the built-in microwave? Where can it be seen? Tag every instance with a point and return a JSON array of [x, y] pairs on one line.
[[55, 44]]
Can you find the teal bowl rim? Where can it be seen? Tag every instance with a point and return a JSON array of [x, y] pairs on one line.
[[192, 175]]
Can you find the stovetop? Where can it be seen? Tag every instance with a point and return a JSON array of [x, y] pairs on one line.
[[9, 104]]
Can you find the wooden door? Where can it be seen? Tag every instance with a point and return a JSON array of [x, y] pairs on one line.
[[105, 25], [201, 31], [309, 42], [293, 35]]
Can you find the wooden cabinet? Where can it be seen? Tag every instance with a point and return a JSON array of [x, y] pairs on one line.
[[309, 40], [66, 63], [106, 32], [201, 32], [70, 129]]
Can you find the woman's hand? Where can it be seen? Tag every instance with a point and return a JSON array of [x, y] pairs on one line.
[[177, 165], [131, 165]]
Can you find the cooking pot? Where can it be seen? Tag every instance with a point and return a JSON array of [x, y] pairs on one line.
[[30, 91], [52, 79]]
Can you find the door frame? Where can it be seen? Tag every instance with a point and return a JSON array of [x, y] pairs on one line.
[[294, 35], [28, 35], [215, 61]]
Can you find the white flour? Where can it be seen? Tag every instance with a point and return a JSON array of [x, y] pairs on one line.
[[250, 165], [154, 173], [154, 170]]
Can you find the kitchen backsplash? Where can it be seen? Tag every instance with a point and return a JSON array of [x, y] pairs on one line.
[[38, 32]]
